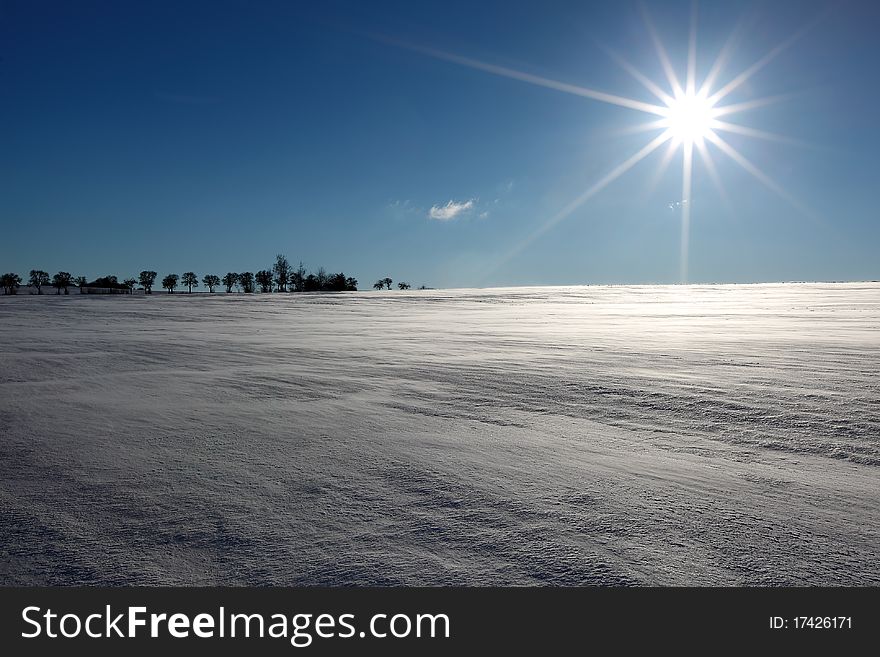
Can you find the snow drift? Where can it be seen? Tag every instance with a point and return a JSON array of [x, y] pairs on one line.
[[703, 435]]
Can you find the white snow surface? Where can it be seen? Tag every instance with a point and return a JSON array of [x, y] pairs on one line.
[[622, 435]]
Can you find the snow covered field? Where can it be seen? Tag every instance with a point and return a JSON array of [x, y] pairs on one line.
[[707, 435]]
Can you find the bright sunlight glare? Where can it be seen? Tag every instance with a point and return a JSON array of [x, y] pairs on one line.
[[689, 118]]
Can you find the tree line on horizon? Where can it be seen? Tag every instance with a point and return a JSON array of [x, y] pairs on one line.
[[281, 277]]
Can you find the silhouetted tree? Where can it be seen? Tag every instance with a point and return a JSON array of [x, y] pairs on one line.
[[38, 278], [378, 285], [281, 269], [387, 281], [61, 281], [339, 283], [298, 278], [403, 286], [310, 284], [211, 281], [170, 282], [10, 282], [190, 280], [264, 280], [131, 283], [323, 279], [80, 281], [147, 279], [335, 283], [246, 279], [230, 281], [351, 284]]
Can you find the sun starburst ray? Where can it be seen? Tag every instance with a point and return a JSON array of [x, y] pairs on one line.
[[662, 167], [641, 77], [712, 170], [745, 75], [759, 175], [686, 202], [606, 180], [735, 108], [641, 127], [720, 61], [753, 132], [691, 83], [538, 80], [761, 63], [661, 54]]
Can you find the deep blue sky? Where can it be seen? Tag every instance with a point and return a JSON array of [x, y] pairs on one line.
[[209, 136]]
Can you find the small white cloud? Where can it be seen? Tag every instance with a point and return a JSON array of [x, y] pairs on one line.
[[451, 210], [485, 214]]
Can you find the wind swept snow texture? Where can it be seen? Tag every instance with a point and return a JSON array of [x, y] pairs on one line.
[[699, 435]]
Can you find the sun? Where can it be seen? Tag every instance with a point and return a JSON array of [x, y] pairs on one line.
[[689, 118]]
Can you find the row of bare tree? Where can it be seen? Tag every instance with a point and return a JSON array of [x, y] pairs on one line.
[[281, 277], [40, 279]]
